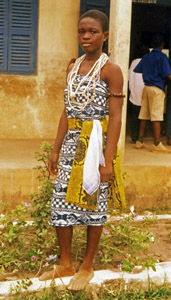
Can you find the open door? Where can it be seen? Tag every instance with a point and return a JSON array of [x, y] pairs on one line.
[[150, 17], [168, 103]]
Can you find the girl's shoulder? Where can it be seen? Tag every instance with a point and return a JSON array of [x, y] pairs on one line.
[[109, 71], [70, 65]]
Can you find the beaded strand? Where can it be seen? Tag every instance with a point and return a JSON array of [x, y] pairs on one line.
[[119, 95], [81, 88]]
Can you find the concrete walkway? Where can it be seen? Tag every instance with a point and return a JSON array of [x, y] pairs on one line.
[[16, 154], [139, 278], [144, 157]]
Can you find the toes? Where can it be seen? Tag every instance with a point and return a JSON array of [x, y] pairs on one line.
[[77, 286], [79, 282]]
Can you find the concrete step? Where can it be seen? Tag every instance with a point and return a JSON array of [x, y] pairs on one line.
[[147, 175], [18, 178]]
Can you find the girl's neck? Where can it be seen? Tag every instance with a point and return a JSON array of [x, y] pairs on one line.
[[92, 56], [88, 62]]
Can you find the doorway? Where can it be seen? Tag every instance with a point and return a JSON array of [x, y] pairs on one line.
[[148, 19]]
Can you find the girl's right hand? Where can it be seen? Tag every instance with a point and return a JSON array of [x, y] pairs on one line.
[[52, 164]]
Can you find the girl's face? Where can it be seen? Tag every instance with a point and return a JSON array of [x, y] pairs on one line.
[[91, 35]]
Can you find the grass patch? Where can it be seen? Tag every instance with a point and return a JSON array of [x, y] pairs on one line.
[[114, 289]]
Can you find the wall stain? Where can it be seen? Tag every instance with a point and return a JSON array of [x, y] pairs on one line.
[[18, 86]]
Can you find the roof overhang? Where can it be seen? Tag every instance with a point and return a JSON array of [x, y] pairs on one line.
[[157, 2]]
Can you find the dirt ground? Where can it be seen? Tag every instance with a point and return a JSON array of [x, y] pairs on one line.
[[160, 249]]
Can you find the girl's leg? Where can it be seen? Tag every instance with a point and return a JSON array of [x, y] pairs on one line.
[[65, 268], [93, 238], [85, 273], [64, 235]]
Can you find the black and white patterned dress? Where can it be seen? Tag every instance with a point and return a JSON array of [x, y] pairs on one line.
[[62, 213]]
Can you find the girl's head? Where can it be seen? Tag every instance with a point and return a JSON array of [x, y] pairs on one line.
[[97, 15], [93, 31]]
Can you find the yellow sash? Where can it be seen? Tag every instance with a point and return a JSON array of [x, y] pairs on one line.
[[75, 192]]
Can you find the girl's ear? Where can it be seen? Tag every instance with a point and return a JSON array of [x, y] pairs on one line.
[[106, 35]]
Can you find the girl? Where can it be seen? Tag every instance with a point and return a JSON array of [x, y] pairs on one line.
[[83, 185]]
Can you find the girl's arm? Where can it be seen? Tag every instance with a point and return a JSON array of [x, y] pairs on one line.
[[62, 130], [113, 76]]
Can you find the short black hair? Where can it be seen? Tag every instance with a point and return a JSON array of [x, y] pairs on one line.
[[99, 15], [157, 40], [141, 50]]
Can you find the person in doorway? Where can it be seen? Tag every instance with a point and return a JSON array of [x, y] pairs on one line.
[[136, 85], [155, 69], [87, 169]]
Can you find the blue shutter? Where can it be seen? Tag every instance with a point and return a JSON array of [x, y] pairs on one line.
[[3, 34], [22, 36]]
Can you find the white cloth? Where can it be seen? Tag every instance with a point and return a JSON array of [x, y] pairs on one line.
[[136, 84], [94, 158]]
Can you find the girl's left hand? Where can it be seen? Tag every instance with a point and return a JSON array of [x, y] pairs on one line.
[[106, 172]]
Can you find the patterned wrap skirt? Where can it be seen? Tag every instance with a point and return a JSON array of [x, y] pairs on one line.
[[66, 214]]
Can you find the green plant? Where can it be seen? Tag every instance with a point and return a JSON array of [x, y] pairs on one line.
[[123, 237], [43, 158], [21, 285], [23, 245], [13, 237], [148, 220]]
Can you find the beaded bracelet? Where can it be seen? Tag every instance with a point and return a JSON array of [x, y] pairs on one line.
[[119, 95]]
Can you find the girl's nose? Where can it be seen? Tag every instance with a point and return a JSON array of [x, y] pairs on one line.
[[86, 35]]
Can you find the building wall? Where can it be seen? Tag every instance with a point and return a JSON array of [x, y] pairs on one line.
[[30, 106], [119, 45]]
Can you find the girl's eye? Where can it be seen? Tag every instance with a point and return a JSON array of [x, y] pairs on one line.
[[80, 31], [93, 32]]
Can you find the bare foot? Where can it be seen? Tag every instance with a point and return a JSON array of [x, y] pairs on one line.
[[58, 271], [81, 279]]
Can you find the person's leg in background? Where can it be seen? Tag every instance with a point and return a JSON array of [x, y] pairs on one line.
[[135, 122], [156, 131], [144, 115], [156, 104]]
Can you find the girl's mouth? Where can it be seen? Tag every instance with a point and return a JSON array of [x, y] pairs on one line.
[[85, 44]]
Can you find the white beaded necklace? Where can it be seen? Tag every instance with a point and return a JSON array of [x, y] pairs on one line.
[[82, 89]]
